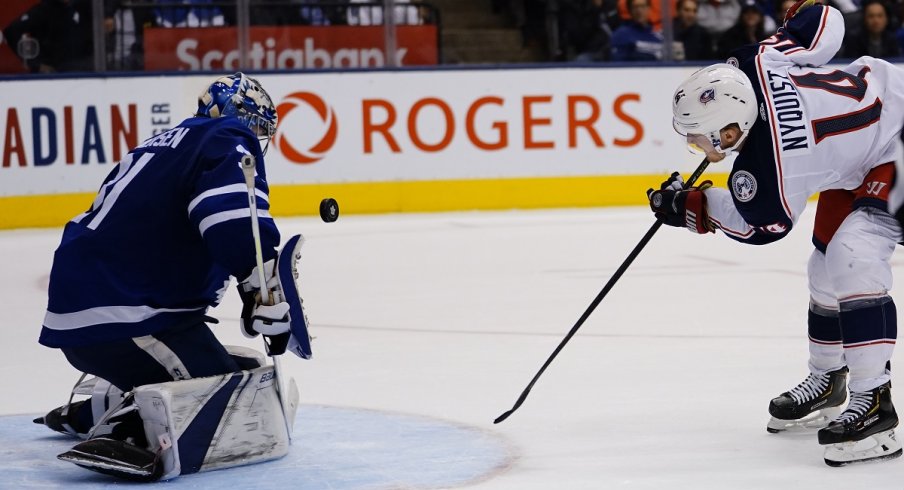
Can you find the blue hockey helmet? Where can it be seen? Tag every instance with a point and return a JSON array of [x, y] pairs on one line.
[[243, 97]]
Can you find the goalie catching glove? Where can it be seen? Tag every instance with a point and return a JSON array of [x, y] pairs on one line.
[[676, 206], [282, 322]]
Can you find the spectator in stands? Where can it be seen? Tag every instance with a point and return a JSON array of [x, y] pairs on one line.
[[781, 8], [875, 37], [373, 15], [635, 40], [767, 8], [194, 14], [584, 30], [48, 39], [899, 7], [748, 30], [717, 16], [624, 11], [698, 44]]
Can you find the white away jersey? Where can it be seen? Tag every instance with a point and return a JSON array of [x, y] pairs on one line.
[[818, 128]]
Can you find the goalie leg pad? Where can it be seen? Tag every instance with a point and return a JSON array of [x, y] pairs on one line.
[[216, 422]]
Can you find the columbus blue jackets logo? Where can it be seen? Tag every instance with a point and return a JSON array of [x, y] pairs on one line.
[[743, 186], [708, 95]]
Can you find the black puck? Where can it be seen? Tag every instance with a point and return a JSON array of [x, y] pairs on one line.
[[329, 210]]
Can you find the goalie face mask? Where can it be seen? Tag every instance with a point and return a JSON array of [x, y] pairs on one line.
[[244, 98]]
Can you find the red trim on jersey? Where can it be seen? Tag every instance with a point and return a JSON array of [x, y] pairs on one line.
[[822, 27], [739, 234], [775, 139], [863, 295], [823, 342], [866, 344]]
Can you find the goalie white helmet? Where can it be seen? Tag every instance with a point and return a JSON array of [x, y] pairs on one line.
[[711, 99]]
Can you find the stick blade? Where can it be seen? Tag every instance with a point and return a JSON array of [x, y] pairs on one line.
[[504, 416]]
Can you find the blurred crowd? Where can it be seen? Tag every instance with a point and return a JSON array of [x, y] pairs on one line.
[[632, 30], [57, 35]]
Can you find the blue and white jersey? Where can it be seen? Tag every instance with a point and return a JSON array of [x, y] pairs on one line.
[[155, 250], [819, 128]]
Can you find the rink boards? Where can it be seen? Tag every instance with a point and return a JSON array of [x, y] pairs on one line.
[[377, 141]]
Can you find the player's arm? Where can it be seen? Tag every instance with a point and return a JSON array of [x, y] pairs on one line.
[[811, 35], [725, 216], [218, 204]]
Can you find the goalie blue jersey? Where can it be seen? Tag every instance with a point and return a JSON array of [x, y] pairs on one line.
[[169, 226]]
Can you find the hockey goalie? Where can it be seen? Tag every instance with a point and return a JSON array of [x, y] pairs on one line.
[[131, 284]]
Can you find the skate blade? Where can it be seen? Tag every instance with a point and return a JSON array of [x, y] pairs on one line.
[[877, 447], [807, 425], [105, 465]]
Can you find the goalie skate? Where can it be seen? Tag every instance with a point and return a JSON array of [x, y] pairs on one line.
[[810, 405]]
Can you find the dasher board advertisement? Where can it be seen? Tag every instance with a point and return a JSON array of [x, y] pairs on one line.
[[421, 140]]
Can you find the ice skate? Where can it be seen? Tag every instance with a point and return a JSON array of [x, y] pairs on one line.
[[62, 419], [864, 431], [810, 405]]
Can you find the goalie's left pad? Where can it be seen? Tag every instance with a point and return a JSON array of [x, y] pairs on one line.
[[284, 322], [196, 425]]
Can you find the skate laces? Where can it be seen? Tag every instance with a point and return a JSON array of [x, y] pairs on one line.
[[809, 388], [861, 401]]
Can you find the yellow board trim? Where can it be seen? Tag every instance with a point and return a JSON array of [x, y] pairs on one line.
[[389, 197]]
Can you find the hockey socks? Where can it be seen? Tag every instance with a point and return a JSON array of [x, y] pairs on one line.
[[869, 331]]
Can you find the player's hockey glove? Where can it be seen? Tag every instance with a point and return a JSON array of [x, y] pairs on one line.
[[270, 320], [676, 206]]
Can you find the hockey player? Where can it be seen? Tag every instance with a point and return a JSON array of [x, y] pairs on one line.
[[799, 129], [131, 283]]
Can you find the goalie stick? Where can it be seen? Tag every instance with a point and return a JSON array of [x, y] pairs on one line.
[[248, 164], [599, 297]]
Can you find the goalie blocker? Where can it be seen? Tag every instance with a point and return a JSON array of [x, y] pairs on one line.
[[195, 425]]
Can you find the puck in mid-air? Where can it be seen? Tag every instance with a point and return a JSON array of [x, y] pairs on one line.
[[329, 210]]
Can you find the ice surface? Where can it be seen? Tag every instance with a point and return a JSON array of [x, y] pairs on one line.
[[448, 316]]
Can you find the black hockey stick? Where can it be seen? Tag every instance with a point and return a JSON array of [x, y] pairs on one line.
[[599, 297]]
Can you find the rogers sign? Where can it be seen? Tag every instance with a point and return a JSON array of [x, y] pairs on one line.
[[309, 126]]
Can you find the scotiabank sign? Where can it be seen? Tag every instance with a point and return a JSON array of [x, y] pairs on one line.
[[214, 48]]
